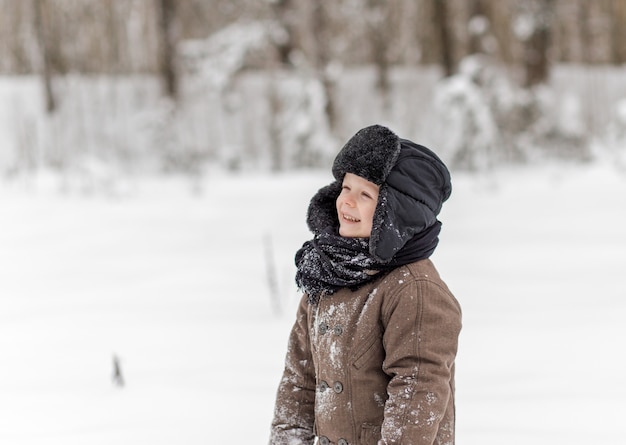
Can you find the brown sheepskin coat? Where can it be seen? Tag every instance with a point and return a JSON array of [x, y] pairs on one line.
[[373, 366]]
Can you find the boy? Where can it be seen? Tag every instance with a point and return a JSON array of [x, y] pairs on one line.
[[370, 358]]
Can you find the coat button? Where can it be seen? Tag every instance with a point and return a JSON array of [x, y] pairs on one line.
[[324, 440], [323, 328], [337, 387], [342, 442], [338, 330], [323, 386]]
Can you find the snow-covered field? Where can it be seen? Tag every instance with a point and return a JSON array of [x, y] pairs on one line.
[[176, 285]]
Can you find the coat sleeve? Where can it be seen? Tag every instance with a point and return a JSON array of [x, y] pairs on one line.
[[295, 399], [423, 321]]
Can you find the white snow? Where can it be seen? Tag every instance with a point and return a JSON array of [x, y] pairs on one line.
[[174, 284]]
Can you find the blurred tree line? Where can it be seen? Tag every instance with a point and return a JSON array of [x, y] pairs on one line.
[[140, 36], [305, 49]]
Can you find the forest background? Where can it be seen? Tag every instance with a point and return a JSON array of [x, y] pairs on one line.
[[99, 90]]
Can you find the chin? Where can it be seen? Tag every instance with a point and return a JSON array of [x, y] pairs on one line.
[[345, 233], [350, 233]]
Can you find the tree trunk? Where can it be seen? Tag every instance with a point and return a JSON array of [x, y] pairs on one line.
[[445, 37], [537, 66], [477, 11], [41, 28], [585, 32], [283, 11], [321, 27], [167, 33], [379, 35], [618, 33]]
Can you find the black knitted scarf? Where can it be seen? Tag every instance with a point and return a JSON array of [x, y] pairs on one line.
[[330, 262]]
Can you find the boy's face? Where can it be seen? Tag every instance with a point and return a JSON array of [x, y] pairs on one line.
[[355, 206]]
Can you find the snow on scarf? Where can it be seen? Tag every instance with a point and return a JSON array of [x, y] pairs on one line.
[[330, 262]]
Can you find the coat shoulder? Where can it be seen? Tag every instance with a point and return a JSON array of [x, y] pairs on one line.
[[425, 272], [422, 270]]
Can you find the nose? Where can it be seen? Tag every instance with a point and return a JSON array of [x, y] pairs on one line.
[[348, 200]]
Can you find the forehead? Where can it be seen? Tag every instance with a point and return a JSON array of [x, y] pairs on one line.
[[355, 180]]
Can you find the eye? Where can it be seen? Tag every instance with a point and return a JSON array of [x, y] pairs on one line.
[[367, 195]]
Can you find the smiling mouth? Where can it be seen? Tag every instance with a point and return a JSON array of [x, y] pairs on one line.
[[350, 218]]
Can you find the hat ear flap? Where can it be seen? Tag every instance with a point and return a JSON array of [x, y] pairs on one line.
[[381, 216], [391, 230], [322, 212]]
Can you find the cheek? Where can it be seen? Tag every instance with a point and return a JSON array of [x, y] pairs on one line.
[[338, 204], [368, 213]]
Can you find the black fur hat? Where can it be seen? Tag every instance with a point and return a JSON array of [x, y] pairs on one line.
[[371, 154], [413, 183]]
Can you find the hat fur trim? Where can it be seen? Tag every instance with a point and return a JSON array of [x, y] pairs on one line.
[[371, 154]]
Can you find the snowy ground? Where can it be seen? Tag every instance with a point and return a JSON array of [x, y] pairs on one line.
[[176, 285]]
